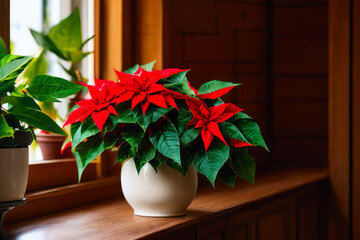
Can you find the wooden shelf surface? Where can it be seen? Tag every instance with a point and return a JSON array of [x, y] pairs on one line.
[[114, 219]]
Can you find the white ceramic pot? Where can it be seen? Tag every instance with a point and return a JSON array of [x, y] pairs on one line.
[[14, 169], [163, 193]]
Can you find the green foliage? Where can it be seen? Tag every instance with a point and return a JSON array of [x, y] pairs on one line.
[[209, 162], [5, 130], [19, 110], [64, 39], [37, 66], [243, 164], [215, 85], [166, 141], [3, 49], [48, 89]]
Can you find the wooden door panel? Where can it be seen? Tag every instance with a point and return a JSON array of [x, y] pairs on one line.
[[212, 229], [273, 226]]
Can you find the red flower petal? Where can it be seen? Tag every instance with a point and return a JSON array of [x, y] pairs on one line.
[[75, 115], [192, 88], [137, 99], [215, 94], [144, 106], [94, 91], [230, 111], [65, 147], [100, 118], [124, 76], [200, 124], [158, 100], [238, 143], [170, 101], [216, 111], [112, 110], [125, 96], [207, 137], [214, 129], [171, 71], [155, 88]]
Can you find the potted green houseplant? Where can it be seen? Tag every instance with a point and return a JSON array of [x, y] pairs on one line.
[[19, 115], [65, 41], [164, 131]]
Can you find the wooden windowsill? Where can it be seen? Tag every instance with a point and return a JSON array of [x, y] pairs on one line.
[[114, 219]]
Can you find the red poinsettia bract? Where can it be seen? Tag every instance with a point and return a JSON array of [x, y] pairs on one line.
[[103, 95], [143, 89], [209, 118]]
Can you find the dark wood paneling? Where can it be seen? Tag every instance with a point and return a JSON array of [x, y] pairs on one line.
[[212, 229], [339, 118], [308, 218], [273, 226], [355, 122], [5, 21], [300, 82]]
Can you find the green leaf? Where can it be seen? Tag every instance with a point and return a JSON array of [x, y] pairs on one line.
[[8, 58], [36, 118], [44, 41], [5, 130], [179, 83], [82, 130], [146, 152], [76, 56], [7, 86], [47, 88], [66, 35], [133, 137], [70, 71], [88, 151], [36, 67], [239, 116], [13, 66], [132, 69], [24, 101], [243, 164], [183, 118], [215, 85], [86, 41], [124, 152], [153, 114], [251, 131], [209, 162], [149, 66], [166, 140], [227, 175], [189, 135], [3, 49], [125, 115]]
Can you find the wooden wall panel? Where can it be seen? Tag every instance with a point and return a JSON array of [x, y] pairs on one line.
[[224, 40], [299, 82], [355, 122], [5, 21], [339, 118]]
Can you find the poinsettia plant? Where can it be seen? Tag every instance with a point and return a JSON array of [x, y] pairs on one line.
[[157, 117]]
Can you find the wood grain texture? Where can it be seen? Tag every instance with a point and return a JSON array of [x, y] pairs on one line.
[[54, 200], [355, 122], [54, 173], [300, 82], [115, 220], [339, 118], [5, 22], [148, 38]]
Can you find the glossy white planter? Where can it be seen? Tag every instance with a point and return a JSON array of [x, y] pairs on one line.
[[14, 168], [163, 193]]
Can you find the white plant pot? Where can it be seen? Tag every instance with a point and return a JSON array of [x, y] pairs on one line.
[[14, 169], [163, 193]]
